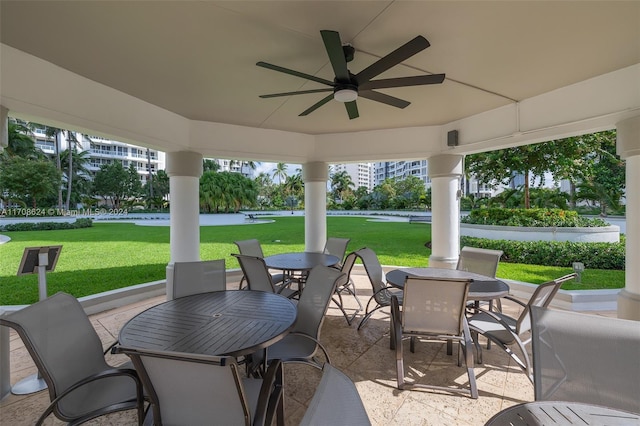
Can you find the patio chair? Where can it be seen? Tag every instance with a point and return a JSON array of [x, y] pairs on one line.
[[481, 261], [347, 285], [68, 353], [506, 331], [258, 277], [188, 389], [381, 291], [302, 343], [435, 309], [253, 248], [197, 277], [336, 247], [586, 358], [336, 401]]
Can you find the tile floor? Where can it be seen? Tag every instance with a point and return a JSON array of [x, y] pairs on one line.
[[363, 355]]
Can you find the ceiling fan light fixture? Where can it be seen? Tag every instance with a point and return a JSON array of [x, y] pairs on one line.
[[345, 95]]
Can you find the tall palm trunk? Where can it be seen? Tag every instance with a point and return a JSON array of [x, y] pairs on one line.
[[527, 201], [58, 163], [72, 148], [150, 178]]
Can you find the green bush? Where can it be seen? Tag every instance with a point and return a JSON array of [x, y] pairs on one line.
[[47, 226], [530, 217], [555, 253]]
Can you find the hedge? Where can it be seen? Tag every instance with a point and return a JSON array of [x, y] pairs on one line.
[[46, 226], [555, 253], [530, 217]]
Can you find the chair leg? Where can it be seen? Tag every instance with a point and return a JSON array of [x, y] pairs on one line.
[[364, 319], [399, 366]]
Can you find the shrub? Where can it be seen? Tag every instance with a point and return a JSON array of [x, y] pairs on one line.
[[530, 217], [556, 253], [47, 226]]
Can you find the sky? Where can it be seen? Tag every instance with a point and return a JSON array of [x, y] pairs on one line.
[[268, 168]]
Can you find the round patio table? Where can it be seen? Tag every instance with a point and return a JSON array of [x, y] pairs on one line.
[[296, 266], [542, 413], [300, 262], [482, 288], [232, 322]]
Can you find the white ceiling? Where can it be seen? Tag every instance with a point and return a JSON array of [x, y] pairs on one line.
[[197, 59]]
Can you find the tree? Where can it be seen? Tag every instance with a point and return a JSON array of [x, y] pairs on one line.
[[209, 165], [134, 184], [74, 164], [160, 190], [226, 190], [409, 192], [341, 184], [28, 180], [280, 172], [111, 183], [20, 142], [56, 134], [605, 182], [563, 158]]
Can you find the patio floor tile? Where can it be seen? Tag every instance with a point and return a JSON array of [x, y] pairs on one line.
[[363, 355]]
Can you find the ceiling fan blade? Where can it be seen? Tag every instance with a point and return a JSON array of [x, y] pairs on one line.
[[336, 55], [385, 99], [352, 109], [316, 105], [300, 92], [295, 73], [417, 80], [402, 53]]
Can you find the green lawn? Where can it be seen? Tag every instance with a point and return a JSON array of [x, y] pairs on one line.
[[114, 255]]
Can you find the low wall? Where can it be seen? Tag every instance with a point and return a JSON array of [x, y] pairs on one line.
[[604, 234]]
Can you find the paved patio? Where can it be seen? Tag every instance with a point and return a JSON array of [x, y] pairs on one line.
[[363, 355]]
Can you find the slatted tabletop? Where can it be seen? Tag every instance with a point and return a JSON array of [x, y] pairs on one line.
[[481, 288], [303, 261], [230, 322], [562, 413]]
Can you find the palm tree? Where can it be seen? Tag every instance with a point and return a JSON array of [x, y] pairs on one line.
[[55, 133], [280, 172], [341, 183], [75, 163], [20, 142]]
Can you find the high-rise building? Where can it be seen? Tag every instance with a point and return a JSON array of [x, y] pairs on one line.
[[361, 173], [402, 170], [103, 151]]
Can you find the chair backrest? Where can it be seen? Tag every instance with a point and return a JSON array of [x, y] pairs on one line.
[[187, 389], [63, 344], [336, 247], [256, 273], [336, 401], [586, 358], [373, 267], [347, 266], [434, 305], [197, 277], [250, 247], [479, 261], [542, 297], [315, 298]]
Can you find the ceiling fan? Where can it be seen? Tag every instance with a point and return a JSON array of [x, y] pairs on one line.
[[347, 87]]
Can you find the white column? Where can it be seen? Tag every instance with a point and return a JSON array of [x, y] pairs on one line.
[[184, 169], [628, 147], [4, 127], [445, 172], [315, 177]]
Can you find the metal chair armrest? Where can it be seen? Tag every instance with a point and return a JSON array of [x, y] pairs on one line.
[[112, 372]]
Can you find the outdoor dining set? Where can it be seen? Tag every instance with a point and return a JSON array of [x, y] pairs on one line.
[[211, 355]]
